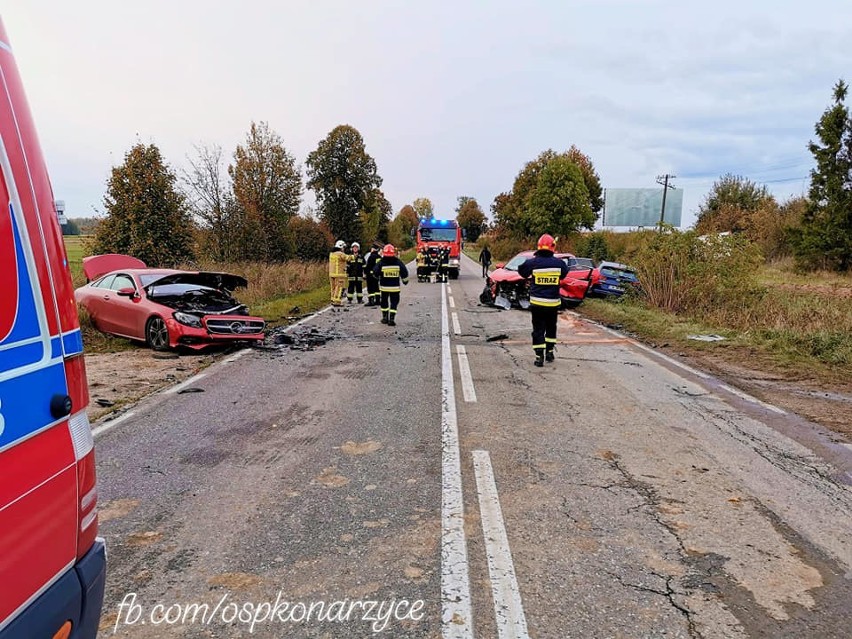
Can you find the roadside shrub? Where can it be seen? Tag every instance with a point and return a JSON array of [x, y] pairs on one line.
[[710, 278], [267, 281], [312, 240]]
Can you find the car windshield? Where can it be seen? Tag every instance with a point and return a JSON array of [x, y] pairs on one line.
[[515, 262], [438, 235], [147, 278], [579, 263], [176, 290], [608, 271]]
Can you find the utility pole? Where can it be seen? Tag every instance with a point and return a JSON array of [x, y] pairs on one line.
[[664, 181]]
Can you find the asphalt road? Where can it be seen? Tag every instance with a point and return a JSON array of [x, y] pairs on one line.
[[468, 494]]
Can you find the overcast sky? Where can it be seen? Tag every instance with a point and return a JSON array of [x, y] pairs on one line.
[[452, 97]]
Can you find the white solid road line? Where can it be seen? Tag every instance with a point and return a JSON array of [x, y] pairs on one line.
[[466, 378], [508, 609], [730, 389], [308, 318], [456, 614], [237, 355], [456, 325], [750, 398], [185, 383], [100, 430]]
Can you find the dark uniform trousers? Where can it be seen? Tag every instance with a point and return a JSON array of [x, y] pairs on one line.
[[372, 289], [372, 280], [544, 327], [390, 301], [355, 289]]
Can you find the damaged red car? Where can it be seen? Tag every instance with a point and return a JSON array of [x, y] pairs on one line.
[[165, 308], [505, 288]]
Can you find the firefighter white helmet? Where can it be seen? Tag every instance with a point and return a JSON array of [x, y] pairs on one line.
[[355, 245], [340, 244]]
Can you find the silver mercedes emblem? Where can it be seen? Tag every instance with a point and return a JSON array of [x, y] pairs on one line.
[[237, 327]]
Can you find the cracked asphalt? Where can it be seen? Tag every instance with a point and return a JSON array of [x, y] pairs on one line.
[[638, 499]]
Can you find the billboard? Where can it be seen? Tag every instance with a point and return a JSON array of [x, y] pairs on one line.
[[641, 207]]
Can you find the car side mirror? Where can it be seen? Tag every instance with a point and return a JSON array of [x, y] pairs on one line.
[[128, 291], [499, 265]]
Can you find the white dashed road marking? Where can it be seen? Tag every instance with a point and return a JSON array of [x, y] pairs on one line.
[[466, 378], [508, 608], [456, 325], [452, 302]]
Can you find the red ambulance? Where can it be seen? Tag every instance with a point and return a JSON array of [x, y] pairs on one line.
[[52, 564]]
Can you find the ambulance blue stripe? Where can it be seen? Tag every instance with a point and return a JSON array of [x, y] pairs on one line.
[[23, 355], [24, 412], [72, 343], [26, 320]]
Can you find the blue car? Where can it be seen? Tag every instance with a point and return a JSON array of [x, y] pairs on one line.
[[615, 280]]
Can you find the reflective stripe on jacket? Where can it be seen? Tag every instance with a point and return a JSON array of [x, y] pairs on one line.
[[545, 271], [355, 268], [337, 263], [389, 271]]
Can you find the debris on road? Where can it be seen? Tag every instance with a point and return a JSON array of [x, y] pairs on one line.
[[497, 338], [707, 338], [191, 389], [305, 339]]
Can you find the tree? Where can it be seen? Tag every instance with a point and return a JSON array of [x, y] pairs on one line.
[[70, 228], [590, 177], [559, 202], [730, 204], [211, 200], [402, 226], [423, 207], [825, 237], [146, 216], [314, 240], [375, 218], [343, 176], [267, 187], [470, 218], [511, 216]]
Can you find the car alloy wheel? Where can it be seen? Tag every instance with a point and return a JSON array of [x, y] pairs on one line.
[[157, 334]]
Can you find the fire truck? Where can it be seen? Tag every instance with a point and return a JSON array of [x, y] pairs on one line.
[[431, 236], [52, 562]]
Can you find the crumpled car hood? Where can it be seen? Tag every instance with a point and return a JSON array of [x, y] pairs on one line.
[[223, 281]]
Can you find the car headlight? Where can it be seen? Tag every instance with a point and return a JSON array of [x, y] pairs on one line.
[[188, 320]]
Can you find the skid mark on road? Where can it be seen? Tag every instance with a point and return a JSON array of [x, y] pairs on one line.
[[508, 608], [456, 612]]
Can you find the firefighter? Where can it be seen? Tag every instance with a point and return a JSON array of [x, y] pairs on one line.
[[444, 263], [355, 271], [372, 282], [337, 262], [546, 271], [390, 271]]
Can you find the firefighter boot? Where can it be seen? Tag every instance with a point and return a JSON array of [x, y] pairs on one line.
[[391, 321], [539, 357], [549, 356], [385, 315]]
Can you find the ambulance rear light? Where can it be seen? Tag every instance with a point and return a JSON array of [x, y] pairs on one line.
[[81, 434], [88, 520]]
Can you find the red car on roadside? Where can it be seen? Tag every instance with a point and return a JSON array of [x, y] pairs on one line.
[[504, 287], [165, 308]]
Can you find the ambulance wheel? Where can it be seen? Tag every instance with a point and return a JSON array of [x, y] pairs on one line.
[[157, 334]]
